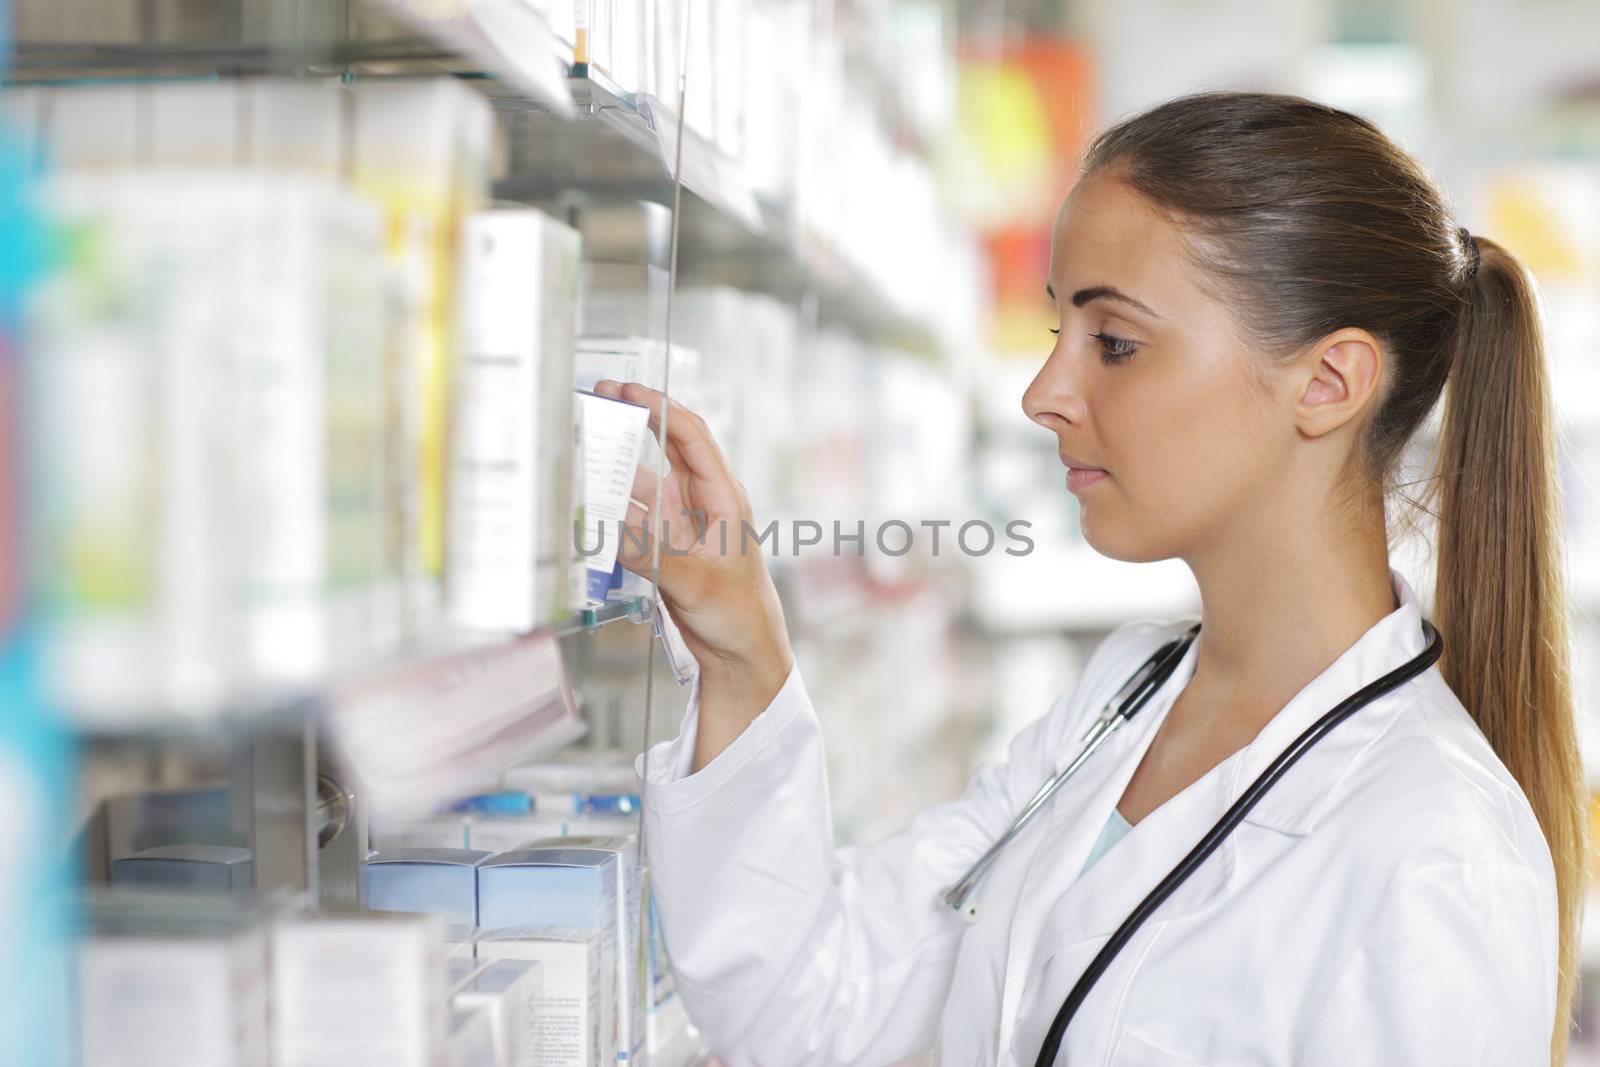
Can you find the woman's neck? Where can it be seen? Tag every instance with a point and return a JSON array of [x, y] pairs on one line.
[[1275, 616]]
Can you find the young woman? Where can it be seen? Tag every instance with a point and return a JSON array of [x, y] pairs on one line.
[[1260, 299]]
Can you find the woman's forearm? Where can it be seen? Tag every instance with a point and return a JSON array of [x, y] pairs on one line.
[[731, 696]]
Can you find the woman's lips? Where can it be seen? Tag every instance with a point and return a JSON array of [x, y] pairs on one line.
[[1079, 474], [1079, 479]]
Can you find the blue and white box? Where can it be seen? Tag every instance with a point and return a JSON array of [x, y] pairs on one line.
[[440, 881], [563, 882]]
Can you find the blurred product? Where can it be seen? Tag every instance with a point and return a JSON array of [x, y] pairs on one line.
[[195, 998], [189, 566], [94, 127], [626, 256], [510, 498], [192, 124], [505, 802], [420, 148], [363, 988], [442, 831], [622, 359], [310, 382], [629, 963], [503, 833], [748, 345], [575, 995], [439, 881], [509, 991], [461, 946], [573, 775], [487, 706], [472, 1039], [294, 124], [588, 803]]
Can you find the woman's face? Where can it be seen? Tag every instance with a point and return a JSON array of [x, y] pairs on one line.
[[1162, 399]]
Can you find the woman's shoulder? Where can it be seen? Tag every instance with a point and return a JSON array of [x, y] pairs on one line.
[[1433, 791]]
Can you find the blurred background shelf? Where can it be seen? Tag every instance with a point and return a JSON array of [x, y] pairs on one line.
[[576, 132]]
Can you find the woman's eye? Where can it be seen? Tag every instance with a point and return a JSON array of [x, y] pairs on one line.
[[1114, 349], [1055, 331]]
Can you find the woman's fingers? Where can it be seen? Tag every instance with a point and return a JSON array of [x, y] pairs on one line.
[[689, 444]]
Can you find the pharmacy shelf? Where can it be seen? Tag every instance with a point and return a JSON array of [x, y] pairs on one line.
[[626, 148], [581, 136], [512, 41], [624, 145]]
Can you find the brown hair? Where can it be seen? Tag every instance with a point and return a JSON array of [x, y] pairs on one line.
[[1309, 219]]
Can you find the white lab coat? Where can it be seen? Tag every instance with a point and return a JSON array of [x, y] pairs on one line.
[[1391, 901]]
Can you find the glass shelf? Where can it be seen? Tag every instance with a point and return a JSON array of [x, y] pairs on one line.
[[635, 609]]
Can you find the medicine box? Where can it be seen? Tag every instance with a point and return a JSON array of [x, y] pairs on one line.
[[569, 1008], [440, 881]]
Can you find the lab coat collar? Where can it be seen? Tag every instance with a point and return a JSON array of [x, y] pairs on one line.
[[1298, 799]]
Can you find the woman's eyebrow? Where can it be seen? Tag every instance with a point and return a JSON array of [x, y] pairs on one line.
[[1083, 296]]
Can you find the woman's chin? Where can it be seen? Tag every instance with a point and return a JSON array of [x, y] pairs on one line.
[[1124, 546]]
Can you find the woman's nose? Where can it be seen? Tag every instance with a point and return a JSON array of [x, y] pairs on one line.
[[1052, 393]]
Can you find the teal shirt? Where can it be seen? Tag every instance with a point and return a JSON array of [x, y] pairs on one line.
[[1116, 826]]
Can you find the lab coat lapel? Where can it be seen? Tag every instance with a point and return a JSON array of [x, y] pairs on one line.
[[1060, 842], [1080, 917]]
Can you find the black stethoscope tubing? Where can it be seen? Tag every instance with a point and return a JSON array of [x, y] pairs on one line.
[[1226, 825]]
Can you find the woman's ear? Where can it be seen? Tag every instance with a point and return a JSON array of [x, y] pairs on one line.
[[1337, 382]]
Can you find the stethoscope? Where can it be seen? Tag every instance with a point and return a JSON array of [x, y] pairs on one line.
[[1123, 706]]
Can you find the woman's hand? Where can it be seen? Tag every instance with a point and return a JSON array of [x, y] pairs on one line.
[[713, 577]]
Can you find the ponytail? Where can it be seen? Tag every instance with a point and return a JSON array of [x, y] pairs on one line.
[[1500, 592]]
